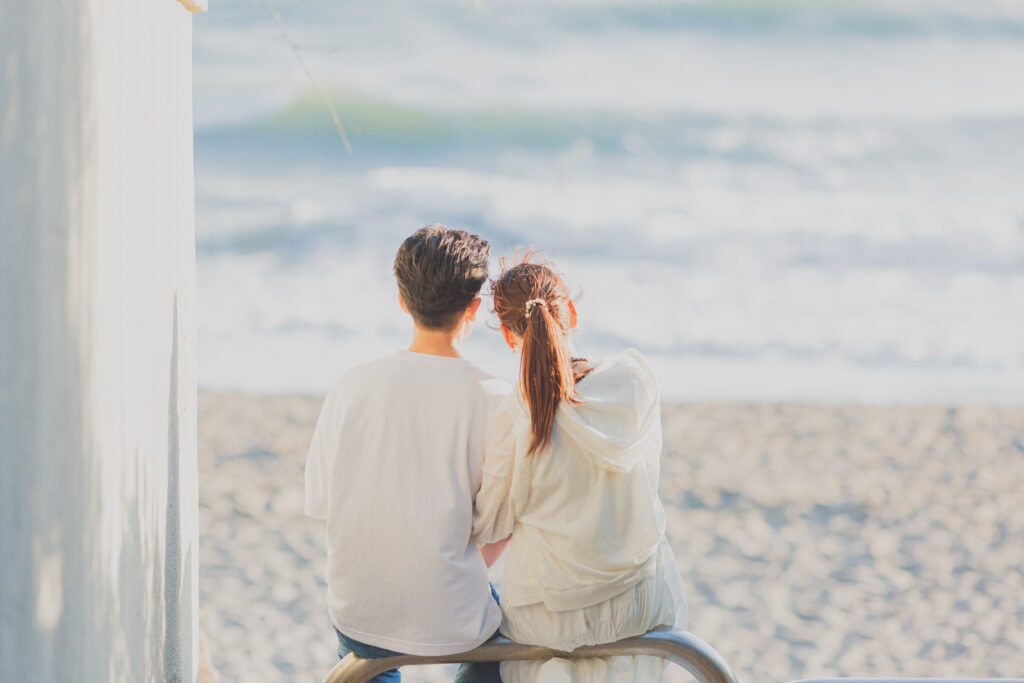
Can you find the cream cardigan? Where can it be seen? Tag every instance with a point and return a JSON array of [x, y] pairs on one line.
[[585, 510]]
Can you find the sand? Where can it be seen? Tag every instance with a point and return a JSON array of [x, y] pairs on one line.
[[812, 540]]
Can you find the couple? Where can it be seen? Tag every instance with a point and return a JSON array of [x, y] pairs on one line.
[[427, 470]]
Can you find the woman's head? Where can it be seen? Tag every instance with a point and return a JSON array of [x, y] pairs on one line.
[[537, 314]]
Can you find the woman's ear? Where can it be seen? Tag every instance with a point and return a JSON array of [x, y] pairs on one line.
[[573, 317], [401, 302], [510, 338]]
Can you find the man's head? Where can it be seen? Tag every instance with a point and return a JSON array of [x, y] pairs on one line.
[[440, 273]]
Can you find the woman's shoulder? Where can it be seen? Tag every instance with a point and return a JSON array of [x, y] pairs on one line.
[[627, 365], [510, 402], [509, 408], [632, 358]]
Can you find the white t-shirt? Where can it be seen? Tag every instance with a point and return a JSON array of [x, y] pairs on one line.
[[394, 466]]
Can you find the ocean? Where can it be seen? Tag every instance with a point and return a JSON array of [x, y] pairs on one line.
[[772, 200]]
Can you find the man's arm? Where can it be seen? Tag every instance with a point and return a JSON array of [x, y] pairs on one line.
[[318, 462]]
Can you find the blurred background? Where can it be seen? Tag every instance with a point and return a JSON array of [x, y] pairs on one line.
[[791, 208], [773, 200]]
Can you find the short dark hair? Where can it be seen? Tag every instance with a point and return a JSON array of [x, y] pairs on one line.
[[439, 273]]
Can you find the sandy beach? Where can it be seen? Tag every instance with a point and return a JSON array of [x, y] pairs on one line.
[[813, 540]]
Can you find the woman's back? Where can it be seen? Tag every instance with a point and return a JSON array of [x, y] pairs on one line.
[[588, 518], [571, 472]]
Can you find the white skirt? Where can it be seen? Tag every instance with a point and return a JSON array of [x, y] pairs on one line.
[[655, 602]]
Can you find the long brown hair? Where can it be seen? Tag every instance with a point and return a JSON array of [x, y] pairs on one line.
[[532, 301]]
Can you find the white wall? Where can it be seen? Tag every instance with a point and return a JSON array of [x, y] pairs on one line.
[[97, 342]]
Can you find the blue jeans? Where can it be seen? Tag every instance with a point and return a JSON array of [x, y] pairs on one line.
[[480, 672]]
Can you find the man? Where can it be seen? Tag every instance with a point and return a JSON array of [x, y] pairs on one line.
[[394, 466]]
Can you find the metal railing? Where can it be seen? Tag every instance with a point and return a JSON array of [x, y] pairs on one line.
[[679, 647], [909, 680]]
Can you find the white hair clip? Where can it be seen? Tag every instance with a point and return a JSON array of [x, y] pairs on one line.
[[534, 302]]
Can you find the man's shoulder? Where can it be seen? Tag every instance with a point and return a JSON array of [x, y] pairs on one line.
[[397, 365], [363, 374]]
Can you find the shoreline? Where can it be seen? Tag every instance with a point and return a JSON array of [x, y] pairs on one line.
[[823, 403]]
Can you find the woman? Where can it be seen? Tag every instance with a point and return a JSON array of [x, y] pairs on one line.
[[571, 473]]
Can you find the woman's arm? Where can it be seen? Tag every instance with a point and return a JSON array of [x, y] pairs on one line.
[[492, 508], [492, 505]]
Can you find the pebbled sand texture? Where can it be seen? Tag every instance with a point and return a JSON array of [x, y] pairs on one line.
[[813, 540]]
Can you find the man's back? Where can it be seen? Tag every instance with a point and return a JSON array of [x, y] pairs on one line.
[[393, 468]]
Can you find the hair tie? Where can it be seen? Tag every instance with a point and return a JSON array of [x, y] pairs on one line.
[[534, 302]]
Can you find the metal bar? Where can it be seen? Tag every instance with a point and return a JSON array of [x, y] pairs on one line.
[[909, 680], [679, 647]]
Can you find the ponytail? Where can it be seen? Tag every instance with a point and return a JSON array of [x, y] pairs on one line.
[[532, 302], [545, 374]]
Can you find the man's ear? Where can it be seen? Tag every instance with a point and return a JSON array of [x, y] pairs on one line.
[[401, 302], [573, 317], [472, 309]]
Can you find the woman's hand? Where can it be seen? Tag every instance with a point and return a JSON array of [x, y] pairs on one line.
[[492, 551]]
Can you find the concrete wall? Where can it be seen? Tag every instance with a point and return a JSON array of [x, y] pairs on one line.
[[97, 342]]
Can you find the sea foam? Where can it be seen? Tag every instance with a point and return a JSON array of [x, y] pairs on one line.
[[790, 202]]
